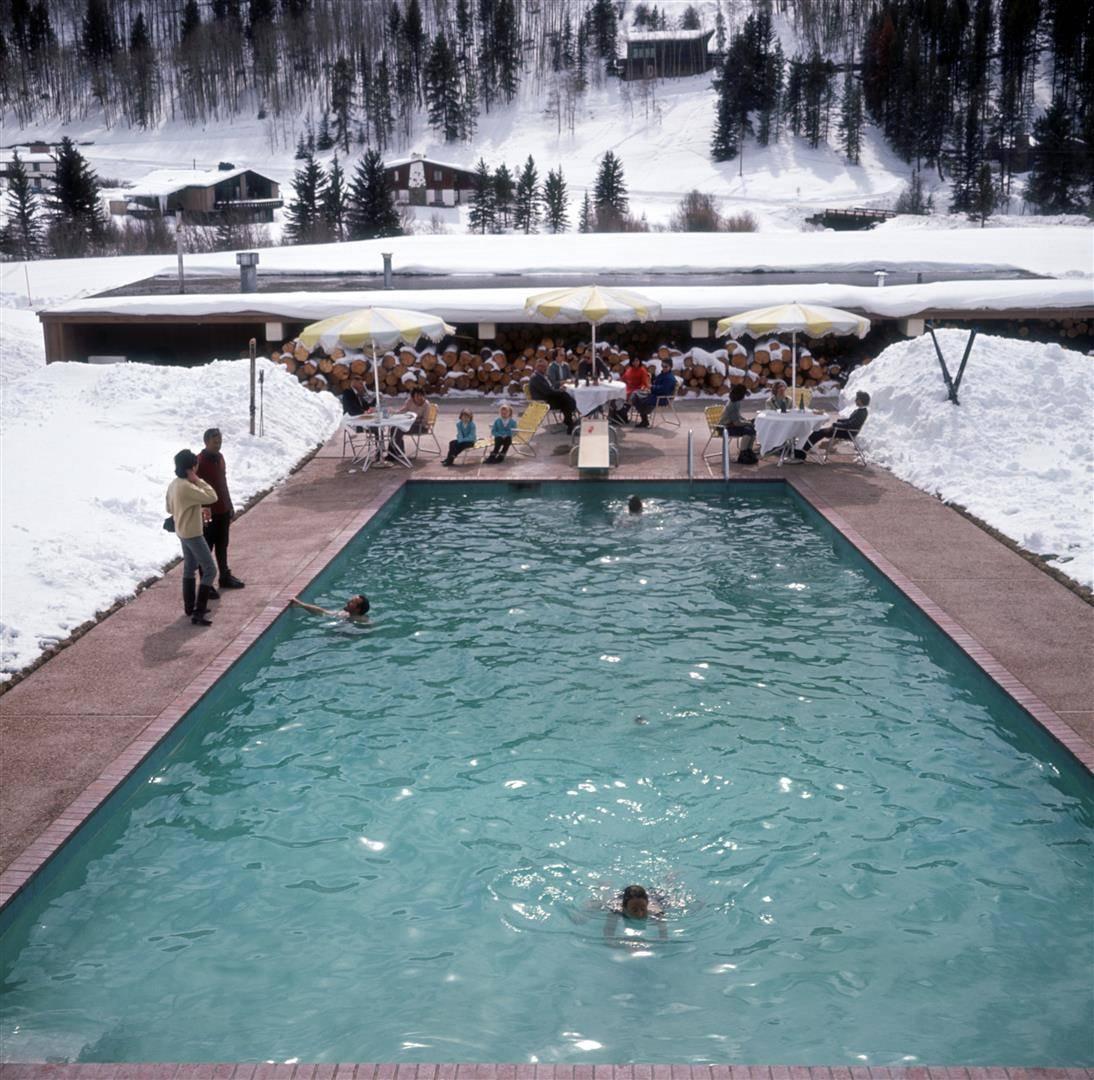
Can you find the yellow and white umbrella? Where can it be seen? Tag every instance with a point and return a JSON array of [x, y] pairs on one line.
[[813, 320], [375, 327], [594, 305]]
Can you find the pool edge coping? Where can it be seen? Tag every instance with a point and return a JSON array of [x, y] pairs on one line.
[[21, 873]]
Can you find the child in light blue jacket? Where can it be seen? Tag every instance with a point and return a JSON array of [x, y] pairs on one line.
[[502, 430], [465, 437]]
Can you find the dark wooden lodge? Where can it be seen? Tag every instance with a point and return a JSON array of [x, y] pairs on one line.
[[666, 54]]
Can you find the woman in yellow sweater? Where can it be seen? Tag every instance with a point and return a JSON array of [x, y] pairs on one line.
[[186, 495]]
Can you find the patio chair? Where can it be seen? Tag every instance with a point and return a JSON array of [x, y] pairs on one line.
[[360, 440], [713, 414], [427, 431], [528, 423], [844, 436], [665, 408]]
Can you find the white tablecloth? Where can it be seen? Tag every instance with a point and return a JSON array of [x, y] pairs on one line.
[[593, 397], [402, 421], [773, 429]]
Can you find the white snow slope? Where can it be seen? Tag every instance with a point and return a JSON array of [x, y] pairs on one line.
[[87, 455], [1020, 460]]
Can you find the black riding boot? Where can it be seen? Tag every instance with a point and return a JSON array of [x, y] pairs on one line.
[[189, 593], [201, 608], [228, 580]]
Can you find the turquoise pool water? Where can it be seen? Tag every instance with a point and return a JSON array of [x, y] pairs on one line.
[[393, 843]]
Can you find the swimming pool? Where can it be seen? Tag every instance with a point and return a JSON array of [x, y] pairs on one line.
[[391, 844]]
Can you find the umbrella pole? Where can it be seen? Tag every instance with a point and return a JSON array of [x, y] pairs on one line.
[[376, 381], [595, 368], [793, 366]]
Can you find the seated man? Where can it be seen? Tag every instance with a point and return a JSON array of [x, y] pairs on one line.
[[735, 424], [539, 386], [588, 371], [559, 370], [662, 391], [843, 428], [355, 398]]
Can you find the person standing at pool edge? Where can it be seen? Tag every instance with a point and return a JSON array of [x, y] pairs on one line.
[[214, 472], [186, 495]]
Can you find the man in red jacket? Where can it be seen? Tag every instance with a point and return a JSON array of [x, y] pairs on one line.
[[212, 470]]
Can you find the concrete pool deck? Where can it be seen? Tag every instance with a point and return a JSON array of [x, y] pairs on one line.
[[74, 728]]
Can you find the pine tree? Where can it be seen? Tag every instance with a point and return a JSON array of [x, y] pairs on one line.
[[324, 141], [301, 148], [585, 221], [503, 196], [442, 90], [604, 27], [415, 40], [720, 32], [99, 39], [725, 145], [341, 101], [526, 214], [1056, 179], [690, 19], [382, 113], [371, 211], [335, 199], [610, 194], [482, 205], [985, 194], [850, 125], [22, 235], [77, 217], [556, 214], [142, 60], [191, 21], [507, 48], [303, 214]]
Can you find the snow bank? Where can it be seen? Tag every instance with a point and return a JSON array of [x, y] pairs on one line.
[[1016, 452], [22, 347], [87, 453]]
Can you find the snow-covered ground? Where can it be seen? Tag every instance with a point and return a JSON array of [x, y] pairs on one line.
[[87, 455], [1018, 452]]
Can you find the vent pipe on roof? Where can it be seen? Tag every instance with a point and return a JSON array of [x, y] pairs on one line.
[[248, 271], [388, 284]]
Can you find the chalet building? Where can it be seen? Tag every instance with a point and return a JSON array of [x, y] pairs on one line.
[[421, 181], [201, 196], [38, 163], [666, 54]]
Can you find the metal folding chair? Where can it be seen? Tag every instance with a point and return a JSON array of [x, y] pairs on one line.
[[426, 431], [665, 407], [844, 435], [362, 441]]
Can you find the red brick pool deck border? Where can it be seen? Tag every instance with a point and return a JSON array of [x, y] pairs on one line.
[[81, 724]]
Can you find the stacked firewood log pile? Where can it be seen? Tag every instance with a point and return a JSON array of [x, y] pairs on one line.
[[505, 371]]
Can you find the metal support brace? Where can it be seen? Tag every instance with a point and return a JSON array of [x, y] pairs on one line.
[[952, 385], [725, 454], [690, 470]]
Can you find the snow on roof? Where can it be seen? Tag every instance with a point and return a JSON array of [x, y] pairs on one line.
[[26, 156], [168, 181], [506, 305], [667, 35], [394, 163]]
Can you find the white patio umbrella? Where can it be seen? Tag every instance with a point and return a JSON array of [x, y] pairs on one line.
[[813, 320], [375, 327], [594, 305]]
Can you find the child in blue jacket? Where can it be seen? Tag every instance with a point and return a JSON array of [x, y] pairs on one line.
[[465, 437], [502, 430]]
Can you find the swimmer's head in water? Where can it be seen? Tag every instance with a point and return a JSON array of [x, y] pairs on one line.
[[634, 505], [636, 902], [357, 605]]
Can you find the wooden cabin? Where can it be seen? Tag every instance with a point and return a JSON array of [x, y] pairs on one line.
[[421, 181], [201, 196], [666, 54]]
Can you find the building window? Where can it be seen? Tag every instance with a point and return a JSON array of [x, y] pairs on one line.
[[437, 174]]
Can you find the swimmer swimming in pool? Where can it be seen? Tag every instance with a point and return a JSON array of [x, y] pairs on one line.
[[356, 607], [634, 904]]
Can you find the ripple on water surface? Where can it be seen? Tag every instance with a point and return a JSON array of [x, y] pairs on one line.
[[395, 842]]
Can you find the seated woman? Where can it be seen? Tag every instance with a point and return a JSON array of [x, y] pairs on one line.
[[843, 428], [778, 400], [634, 904], [636, 377], [418, 405], [732, 422]]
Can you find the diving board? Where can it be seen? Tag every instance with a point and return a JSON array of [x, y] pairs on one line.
[[596, 449]]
